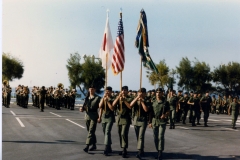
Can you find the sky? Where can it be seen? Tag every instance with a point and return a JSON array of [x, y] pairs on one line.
[[43, 34]]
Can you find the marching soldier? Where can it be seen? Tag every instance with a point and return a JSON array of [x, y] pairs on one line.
[[195, 103], [91, 106], [198, 109], [213, 109], [234, 106], [219, 104], [190, 109], [124, 111], [178, 110], [173, 102], [158, 120], [72, 98], [206, 102], [184, 107], [107, 117], [225, 105], [140, 106], [42, 96]]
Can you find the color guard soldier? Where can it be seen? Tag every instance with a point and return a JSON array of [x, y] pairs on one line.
[[140, 106], [206, 102], [124, 111], [234, 106], [158, 120], [178, 110], [107, 117], [91, 106]]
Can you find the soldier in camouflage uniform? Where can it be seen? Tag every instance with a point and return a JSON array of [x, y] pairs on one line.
[[124, 111]]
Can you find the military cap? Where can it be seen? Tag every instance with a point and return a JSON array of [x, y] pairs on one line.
[[213, 95], [92, 86], [43, 86], [125, 87], [186, 93], [116, 91], [174, 91], [159, 90], [191, 92], [130, 90], [180, 91], [196, 92], [153, 90], [142, 90], [207, 91], [235, 97], [109, 88]]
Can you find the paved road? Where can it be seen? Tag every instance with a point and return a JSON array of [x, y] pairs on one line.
[[60, 134]]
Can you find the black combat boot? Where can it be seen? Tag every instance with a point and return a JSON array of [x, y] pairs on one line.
[[173, 126], [106, 150], [170, 126], [109, 149], [124, 153], [139, 154], [86, 148], [205, 124], [159, 155], [94, 147]]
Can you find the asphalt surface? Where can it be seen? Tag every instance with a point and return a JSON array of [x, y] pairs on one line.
[[60, 134]]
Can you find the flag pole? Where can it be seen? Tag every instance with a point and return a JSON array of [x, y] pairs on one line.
[[106, 71], [141, 73]]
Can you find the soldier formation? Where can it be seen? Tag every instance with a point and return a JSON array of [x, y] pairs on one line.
[[154, 109], [51, 96]]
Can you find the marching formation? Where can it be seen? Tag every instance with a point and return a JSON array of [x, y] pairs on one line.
[[53, 97], [153, 109]]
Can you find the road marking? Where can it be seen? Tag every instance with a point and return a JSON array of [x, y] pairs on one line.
[[183, 127], [13, 113], [132, 126], [213, 120], [230, 129], [75, 123], [20, 122], [55, 114]]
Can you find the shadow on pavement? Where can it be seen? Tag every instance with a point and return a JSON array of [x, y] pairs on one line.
[[44, 142]]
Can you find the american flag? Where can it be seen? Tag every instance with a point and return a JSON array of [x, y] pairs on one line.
[[118, 58]]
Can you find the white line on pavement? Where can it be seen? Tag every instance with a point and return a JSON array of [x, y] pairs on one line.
[[13, 113], [55, 114], [132, 126], [213, 120], [230, 129], [20, 122], [183, 127], [75, 123]]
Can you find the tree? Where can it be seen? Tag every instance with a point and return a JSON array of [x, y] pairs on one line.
[[85, 74], [194, 77], [227, 77], [12, 67], [162, 78]]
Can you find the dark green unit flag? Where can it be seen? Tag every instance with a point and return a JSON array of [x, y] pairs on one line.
[[142, 42]]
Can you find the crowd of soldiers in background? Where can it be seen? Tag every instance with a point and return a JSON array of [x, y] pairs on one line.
[[218, 105], [51, 96], [59, 97]]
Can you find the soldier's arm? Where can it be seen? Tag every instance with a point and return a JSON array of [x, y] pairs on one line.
[[115, 101], [134, 101], [100, 115], [110, 106], [230, 106], [101, 103], [145, 108]]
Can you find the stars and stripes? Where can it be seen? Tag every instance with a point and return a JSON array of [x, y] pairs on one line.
[[118, 58]]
